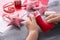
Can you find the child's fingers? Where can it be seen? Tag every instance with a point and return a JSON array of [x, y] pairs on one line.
[[50, 16], [32, 17], [53, 20], [27, 21]]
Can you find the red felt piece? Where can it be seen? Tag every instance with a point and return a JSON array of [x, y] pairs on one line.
[[17, 4], [45, 27]]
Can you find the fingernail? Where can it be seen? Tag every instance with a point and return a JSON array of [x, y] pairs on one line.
[[48, 21], [30, 15]]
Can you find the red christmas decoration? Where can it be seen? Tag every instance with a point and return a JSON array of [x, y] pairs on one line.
[[9, 8], [17, 4]]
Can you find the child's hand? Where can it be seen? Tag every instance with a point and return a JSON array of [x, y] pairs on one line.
[[53, 18], [31, 23], [32, 28]]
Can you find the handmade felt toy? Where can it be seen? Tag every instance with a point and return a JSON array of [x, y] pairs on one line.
[[38, 8]]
